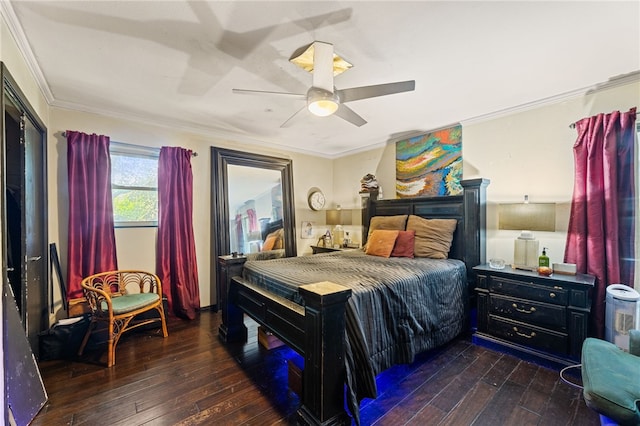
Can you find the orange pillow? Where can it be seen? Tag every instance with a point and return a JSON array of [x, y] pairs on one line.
[[381, 242], [270, 242], [404, 244]]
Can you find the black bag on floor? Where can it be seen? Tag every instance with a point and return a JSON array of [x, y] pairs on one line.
[[62, 341]]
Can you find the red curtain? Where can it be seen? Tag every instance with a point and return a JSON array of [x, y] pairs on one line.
[[176, 251], [92, 242], [600, 240]]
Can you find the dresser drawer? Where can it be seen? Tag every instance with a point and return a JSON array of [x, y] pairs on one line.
[[529, 335], [528, 290], [537, 313]]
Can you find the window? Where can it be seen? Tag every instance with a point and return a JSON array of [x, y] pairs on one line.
[[134, 185]]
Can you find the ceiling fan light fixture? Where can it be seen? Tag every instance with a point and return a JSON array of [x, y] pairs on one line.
[[303, 57], [321, 102]]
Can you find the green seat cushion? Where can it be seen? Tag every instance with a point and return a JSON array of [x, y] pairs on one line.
[[131, 302], [611, 379]]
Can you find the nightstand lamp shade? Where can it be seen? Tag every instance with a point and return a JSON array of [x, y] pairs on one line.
[[339, 217], [527, 217]]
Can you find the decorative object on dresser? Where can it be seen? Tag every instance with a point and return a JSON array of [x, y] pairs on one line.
[[545, 317]]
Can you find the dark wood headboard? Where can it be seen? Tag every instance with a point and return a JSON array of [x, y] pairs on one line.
[[469, 209]]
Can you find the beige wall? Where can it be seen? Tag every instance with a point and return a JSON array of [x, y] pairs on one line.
[[529, 152], [136, 246]]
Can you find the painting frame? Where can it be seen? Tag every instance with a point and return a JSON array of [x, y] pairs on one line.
[[430, 164], [307, 229]]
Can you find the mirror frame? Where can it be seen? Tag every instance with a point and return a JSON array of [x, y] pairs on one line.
[[220, 235]]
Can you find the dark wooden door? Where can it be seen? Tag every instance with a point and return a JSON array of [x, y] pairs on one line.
[[24, 239], [34, 267], [26, 213]]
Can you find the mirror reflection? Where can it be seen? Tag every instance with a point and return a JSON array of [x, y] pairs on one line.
[[255, 209]]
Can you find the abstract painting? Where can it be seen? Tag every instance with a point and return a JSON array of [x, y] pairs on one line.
[[430, 164]]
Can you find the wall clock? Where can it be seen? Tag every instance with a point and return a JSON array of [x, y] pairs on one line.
[[316, 200]]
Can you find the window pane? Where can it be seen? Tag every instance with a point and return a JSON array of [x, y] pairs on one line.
[[135, 205], [134, 171]]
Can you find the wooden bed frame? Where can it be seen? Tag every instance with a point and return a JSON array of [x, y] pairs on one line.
[[317, 330]]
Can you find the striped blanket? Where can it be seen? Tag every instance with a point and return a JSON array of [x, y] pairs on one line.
[[399, 306]]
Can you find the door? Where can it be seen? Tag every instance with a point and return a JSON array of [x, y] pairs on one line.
[[26, 215], [23, 235], [34, 270]]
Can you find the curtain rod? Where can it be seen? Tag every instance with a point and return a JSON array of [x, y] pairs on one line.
[[150, 148], [573, 125]]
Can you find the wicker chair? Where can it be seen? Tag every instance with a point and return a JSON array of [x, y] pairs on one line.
[[116, 298]]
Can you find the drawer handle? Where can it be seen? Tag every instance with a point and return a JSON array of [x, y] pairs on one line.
[[524, 311], [552, 295], [528, 336]]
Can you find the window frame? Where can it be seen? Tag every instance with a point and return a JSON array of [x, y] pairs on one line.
[[130, 150]]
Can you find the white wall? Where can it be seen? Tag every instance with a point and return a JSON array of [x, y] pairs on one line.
[[529, 152]]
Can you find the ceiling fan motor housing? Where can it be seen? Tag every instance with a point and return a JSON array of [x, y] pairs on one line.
[[322, 102]]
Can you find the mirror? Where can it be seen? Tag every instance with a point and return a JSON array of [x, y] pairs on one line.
[[255, 209], [252, 206]]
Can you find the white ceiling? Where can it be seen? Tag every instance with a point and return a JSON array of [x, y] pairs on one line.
[[175, 62]]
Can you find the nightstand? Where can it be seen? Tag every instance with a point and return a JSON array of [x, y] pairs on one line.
[[320, 249], [544, 317]]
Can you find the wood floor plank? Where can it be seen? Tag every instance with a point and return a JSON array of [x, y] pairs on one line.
[[191, 378], [501, 406], [471, 405], [501, 370]]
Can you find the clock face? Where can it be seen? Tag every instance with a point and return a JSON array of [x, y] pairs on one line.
[[316, 200]]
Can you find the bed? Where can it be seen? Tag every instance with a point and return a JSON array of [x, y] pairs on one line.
[[352, 315]]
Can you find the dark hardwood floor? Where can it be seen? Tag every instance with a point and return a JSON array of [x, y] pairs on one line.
[[190, 378]]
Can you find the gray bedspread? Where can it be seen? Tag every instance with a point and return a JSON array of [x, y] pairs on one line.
[[399, 306]]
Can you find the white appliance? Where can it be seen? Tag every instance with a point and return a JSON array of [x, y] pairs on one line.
[[622, 314]]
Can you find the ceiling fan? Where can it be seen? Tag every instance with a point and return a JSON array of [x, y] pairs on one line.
[[322, 98]]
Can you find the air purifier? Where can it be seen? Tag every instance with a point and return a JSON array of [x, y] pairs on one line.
[[622, 314]]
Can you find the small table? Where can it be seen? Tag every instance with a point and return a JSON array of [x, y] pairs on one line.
[[320, 249]]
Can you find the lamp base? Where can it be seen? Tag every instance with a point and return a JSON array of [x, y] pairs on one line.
[[525, 254]]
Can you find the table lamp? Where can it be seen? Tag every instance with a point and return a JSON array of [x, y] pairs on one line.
[[527, 217], [337, 218]]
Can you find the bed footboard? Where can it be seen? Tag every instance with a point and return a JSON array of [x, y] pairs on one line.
[[316, 331]]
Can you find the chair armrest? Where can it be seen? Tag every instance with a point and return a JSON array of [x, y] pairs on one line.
[[634, 342]]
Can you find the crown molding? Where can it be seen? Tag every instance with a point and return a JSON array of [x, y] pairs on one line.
[[182, 126], [622, 80], [16, 31]]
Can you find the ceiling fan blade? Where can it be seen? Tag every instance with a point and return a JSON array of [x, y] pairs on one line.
[[350, 115], [292, 119], [302, 96], [364, 92], [323, 65]]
